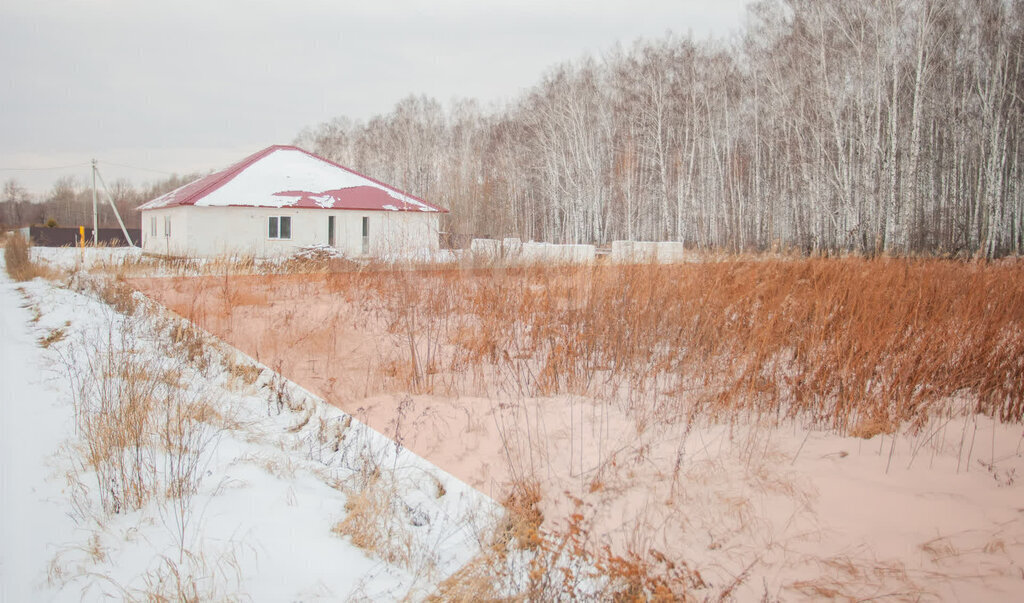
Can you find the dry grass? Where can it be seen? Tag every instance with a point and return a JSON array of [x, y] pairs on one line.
[[52, 337], [857, 345], [378, 521], [117, 294], [140, 435], [245, 372], [18, 261], [367, 514], [523, 561]]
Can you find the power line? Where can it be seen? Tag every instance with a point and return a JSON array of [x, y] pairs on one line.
[[78, 165], [43, 169], [135, 167]]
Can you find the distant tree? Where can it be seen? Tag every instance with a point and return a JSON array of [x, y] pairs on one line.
[[14, 192], [16, 204], [875, 126]]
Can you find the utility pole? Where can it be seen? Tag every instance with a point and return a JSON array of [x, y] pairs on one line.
[[113, 206], [95, 219]]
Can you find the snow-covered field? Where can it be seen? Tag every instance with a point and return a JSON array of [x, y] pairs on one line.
[[114, 258], [277, 473], [298, 501]]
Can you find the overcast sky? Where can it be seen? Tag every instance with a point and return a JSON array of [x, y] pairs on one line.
[[190, 86]]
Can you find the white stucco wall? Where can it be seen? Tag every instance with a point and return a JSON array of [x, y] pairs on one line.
[[161, 242], [214, 231]]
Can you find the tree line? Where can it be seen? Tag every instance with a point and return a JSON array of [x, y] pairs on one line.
[[69, 202], [825, 126]]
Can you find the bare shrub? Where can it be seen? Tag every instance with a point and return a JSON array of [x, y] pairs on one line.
[[117, 294], [140, 435], [524, 561], [378, 521], [18, 261]]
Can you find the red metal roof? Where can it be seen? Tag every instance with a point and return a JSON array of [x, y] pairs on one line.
[[356, 197], [366, 197]]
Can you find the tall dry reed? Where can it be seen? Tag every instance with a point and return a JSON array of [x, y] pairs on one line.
[[859, 345]]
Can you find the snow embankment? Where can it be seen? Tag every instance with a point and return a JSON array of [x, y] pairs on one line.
[[236, 484]]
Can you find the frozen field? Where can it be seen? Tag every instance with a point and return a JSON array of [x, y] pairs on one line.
[[514, 383]]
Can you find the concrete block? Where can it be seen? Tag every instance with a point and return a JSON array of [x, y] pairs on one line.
[[511, 249], [622, 252], [670, 252], [485, 250]]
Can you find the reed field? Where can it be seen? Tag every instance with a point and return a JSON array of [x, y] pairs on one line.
[[594, 394], [856, 344], [852, 343]]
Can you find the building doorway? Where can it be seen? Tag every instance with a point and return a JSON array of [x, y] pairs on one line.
[[366, 235]]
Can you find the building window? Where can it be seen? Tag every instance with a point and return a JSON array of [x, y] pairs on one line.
[[279, 227], [152, 226], [366, 235], [167, 226]]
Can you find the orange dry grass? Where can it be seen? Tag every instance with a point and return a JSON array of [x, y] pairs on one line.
[[856, 344]]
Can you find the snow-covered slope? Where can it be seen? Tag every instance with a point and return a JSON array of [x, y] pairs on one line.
[[281, 472]]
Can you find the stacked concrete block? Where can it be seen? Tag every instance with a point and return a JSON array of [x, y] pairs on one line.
[[670, 252], [622, 252], [579, 254], [548, 253], [535, 253], [511, 249], [485, 250], [645, 252]]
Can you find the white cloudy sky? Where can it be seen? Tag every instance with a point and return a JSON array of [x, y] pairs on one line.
[[192, 85]]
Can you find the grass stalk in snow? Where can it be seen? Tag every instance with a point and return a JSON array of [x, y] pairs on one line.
[[142, 435]]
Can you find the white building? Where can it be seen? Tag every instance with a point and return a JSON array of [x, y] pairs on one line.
[[282, 199]]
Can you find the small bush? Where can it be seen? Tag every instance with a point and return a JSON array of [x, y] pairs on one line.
[[16, 256], [377, 521], [118, 295]]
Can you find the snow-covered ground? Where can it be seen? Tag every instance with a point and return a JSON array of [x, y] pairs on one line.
[[758, 504], [279, 473], [34, 421], [297, 501], [90, 258]]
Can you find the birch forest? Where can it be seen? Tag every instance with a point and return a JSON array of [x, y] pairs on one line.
[[824, 126]]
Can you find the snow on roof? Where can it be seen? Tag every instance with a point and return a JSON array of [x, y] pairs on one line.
[[287, 176]]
